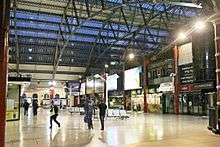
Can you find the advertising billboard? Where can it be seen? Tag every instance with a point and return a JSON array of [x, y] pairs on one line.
[[73, 88], [132, 78], [112, 82], [99, 85], [90, 85]]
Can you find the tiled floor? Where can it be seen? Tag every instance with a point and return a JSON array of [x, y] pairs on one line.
[[138, 131]]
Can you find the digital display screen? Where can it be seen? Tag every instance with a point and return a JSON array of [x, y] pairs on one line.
[[132, 78]]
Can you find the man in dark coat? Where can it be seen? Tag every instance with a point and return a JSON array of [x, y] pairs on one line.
[[53, 117], [102, 110], [26, 106], [35, 107]]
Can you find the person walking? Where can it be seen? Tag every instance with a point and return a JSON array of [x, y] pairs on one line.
[[26, 106], [102, 110], [53, 117], [88, 107], [35, 107]]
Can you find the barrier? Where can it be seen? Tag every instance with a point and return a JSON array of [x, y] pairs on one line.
[[117, 113]]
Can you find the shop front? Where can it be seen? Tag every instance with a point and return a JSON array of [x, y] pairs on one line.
[[167, 97], [116, 99], [134, 100], [153, 99], [13, 102], [193, 98], [16, 86], [160, 98]]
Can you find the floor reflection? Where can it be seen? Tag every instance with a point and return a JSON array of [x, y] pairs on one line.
[[139, 130]]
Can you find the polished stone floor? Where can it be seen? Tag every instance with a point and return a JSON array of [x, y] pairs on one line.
[[152, 130]]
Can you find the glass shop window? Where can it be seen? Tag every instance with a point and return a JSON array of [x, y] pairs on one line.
[[13, 102]]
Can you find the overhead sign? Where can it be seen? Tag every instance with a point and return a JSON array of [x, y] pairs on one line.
[[186, 88], [166, 87], [200, 86]]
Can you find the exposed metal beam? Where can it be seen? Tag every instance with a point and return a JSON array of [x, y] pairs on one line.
[[136, 31], [87, 8], [95, 43], [91, 16], [75, 11], [47, 72]]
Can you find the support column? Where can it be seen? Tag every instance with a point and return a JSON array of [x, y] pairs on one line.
[[106, 89], [4, 26], [176, 79], [124, 95], [216, 22], [145, 83]]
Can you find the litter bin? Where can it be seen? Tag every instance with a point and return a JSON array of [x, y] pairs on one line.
[[212, 119]]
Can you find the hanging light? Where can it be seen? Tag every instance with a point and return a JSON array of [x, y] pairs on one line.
[[131, 56], [200, 25], [52, 83], [181, 36], [106, 65]]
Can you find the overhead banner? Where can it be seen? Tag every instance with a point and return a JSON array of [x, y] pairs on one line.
[[166, 87]]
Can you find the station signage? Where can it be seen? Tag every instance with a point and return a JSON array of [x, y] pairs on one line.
[[200, 86], [186, 88], [186, 74], [166, 87]]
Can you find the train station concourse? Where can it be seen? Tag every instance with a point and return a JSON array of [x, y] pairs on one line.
[[118, 73]]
